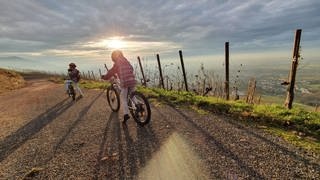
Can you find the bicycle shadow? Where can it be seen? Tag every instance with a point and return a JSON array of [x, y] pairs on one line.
[[12, 142], [140, 150], [126, 148], [99, 162]]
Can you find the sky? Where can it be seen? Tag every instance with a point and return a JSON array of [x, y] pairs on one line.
[[48, 34]]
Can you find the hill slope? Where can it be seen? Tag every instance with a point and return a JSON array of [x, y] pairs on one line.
[[10, 80]]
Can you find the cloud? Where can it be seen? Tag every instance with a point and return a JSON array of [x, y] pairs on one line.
[[64, 27]]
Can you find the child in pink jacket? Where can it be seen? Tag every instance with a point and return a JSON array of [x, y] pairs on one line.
[[124, 70]]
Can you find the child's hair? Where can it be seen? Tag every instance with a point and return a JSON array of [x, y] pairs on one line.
[[116, 54]]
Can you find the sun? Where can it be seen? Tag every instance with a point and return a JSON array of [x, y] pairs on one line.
[[115, 43]]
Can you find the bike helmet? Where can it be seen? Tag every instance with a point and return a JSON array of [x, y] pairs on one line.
[[72, 65]]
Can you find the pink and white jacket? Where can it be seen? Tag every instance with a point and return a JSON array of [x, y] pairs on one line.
[[124, 70]]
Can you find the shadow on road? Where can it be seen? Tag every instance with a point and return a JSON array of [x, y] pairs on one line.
[[16, 139], [126, 154], [82, 113], [113, 117], [139, 151]]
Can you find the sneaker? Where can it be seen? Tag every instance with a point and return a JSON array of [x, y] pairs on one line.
[[125, 118]]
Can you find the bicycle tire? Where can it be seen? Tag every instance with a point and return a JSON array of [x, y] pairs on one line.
[[113, 98], [136, 113], [72, 92]]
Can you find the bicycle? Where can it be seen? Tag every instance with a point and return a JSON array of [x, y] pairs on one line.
[[138, 104], [71, 92]]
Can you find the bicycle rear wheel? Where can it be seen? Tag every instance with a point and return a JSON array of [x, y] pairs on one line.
[[113, 98], [72, 92], [139, 108]]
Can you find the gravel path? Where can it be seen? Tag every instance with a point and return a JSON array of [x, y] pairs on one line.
[[44, 132]]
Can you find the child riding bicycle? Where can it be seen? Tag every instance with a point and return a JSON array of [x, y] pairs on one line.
[[74, 76], [124, 70]]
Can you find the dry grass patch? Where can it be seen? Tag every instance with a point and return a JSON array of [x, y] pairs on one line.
[[10, 80]]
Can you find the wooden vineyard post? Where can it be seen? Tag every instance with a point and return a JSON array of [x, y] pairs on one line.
[[100, 72], [160, 71], [141, 68], [183, 70], [294, 65], [105, 66], [251, 90], [227, 70], [89, 75], [94, 78]]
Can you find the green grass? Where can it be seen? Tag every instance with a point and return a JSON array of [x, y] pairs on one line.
[[89, 84]]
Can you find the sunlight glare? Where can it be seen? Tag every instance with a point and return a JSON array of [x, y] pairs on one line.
[[115, 43]]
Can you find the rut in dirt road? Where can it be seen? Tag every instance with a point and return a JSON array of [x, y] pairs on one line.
[[84, 139]]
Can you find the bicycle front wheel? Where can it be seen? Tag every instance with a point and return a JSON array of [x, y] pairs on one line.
[[139, 108], [113, 99]]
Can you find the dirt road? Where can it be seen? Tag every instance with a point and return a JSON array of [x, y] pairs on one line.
[[45, 132]]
